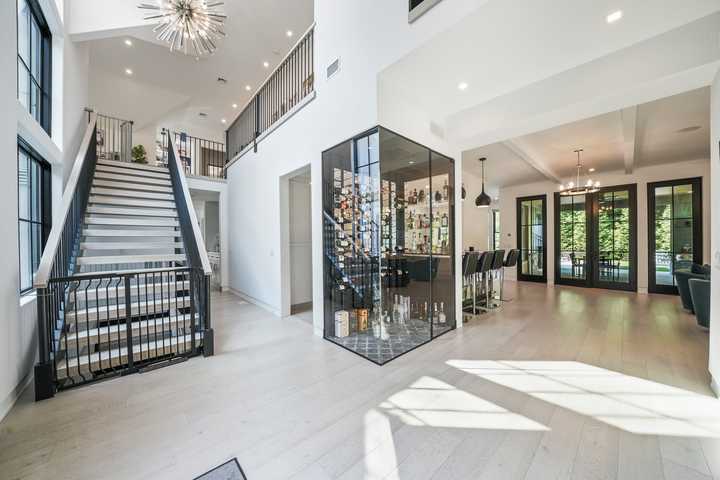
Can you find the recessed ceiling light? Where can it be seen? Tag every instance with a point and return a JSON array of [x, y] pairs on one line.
[[289, 33], [128, 71], [411, 162], [615, 16], [591, 170], [248, 87], [462, 86], [266, 64], [234, 105], [128, 42], [223, 120]]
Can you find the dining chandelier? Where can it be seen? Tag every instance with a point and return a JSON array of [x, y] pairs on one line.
[[577, 188], [185, 23]]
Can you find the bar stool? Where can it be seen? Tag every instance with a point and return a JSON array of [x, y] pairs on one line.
[[483, 272], [510, 262], [495, 273], [469, 268]]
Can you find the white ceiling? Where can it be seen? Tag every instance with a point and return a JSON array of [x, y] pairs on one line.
[[659, 136], [256, 32]]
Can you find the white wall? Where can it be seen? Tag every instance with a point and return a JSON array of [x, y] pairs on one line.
[[715, 259], [300, 236], [641, 177]]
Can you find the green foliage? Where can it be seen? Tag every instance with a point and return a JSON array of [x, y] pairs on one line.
[[139, 154]]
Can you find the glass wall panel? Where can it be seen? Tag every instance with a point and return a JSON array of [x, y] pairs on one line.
[[388, 243], [573, 237]]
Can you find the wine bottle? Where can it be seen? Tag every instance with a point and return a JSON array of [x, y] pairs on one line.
[[438, 196], [446, 191]]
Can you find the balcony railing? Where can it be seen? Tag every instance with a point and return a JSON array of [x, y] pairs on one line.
[[287, 86], [199, 157]]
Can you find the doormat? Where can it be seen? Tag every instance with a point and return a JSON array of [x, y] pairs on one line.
[[229, 470]]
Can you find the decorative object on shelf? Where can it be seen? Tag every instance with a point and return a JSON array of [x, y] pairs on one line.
[[573, 188], [483, 200], [187, 22], [139, 154]]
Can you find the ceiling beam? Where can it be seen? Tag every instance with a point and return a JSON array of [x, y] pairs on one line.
[[533, 160], [630, 137]]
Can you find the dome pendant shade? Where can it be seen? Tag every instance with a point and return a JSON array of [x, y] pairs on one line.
[[483, 200]]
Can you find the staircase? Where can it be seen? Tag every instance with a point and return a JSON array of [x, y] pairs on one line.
[[125, 285]]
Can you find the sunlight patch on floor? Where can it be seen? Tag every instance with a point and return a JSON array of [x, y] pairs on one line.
[[630, 403], [432, 403]]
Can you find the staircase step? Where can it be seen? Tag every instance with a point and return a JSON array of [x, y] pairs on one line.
[[117, 357], [107, 313], [131, 179], [131, 186], [129, 259], [139, 212], [128, 171], [116, 192], [98, 290], [118, 332], [129, 245], [131, 233], [143, 272], [151, 222], [130, 202], [134, 166]]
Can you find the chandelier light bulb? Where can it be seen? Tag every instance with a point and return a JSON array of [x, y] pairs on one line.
[[187, 23]]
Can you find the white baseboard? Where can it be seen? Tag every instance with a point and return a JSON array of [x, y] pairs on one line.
[[642, 290], [255, 301], [9, 402]]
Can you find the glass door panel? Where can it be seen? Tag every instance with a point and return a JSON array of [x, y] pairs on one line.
[[531, 238], [675, 230], [572, 234], [614, 256]]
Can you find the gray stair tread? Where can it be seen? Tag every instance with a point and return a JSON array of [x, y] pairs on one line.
[[115, 312], [95, 361], [131, 186], [107, 333], [129, 171], [129, 259], [131, 233], [130, 202], [148, 222], [162, 286], [131, 179], [138, 212], [129, 245], [134, 166], [133, 194], [178, 270]]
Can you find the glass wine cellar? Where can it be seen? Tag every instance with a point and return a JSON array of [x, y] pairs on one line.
[[388, 245]]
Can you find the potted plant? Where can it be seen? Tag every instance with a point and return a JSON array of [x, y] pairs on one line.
[[139, 155]]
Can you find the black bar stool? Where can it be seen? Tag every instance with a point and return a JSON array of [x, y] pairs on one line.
[[484, 266], [469, 269], [510, 262]]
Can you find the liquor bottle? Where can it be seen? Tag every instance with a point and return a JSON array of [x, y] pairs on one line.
[[415, 196], [442, 319], [445, 220], [421, 196], [438, 196], [446, 191]]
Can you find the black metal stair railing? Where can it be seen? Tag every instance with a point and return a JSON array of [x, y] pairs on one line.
[[291, 82], [199, 156]]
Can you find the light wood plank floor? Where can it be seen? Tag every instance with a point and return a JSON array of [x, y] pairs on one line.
[[562, 383]]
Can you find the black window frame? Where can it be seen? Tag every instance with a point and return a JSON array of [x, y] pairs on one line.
[[496, 229], [43, 199], [44, 83], [543, 251]]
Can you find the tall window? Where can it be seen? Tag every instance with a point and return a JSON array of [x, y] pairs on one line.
[[496, 229], [34, 211], [34, 61]]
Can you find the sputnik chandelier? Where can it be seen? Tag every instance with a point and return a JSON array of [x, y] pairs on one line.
[[181, 23], [573, 188]]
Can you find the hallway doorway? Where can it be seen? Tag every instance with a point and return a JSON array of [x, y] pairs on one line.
[[298, 223]]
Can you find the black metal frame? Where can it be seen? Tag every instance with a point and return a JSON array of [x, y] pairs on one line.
[[44, 84], [45, 207], [518, 214], [327, 297], [697, 219], [285, 88], [496, 234], [592, 219]]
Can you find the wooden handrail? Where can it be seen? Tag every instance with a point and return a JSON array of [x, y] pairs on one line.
[[51, 246], [185, 191]]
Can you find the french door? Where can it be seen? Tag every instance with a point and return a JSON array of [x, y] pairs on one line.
[[674, 229], [531, 234], [596, 239]]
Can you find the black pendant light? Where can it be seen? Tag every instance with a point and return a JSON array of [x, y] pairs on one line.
[[463, 193], [483, 200]]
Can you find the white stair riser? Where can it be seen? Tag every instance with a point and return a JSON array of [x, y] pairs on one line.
[[131, 211], [131, 186], [131, 179], [134, 194], [128, 171], [159, 233], [132, 166], [128, 259], [153, 222], [102, 200]]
